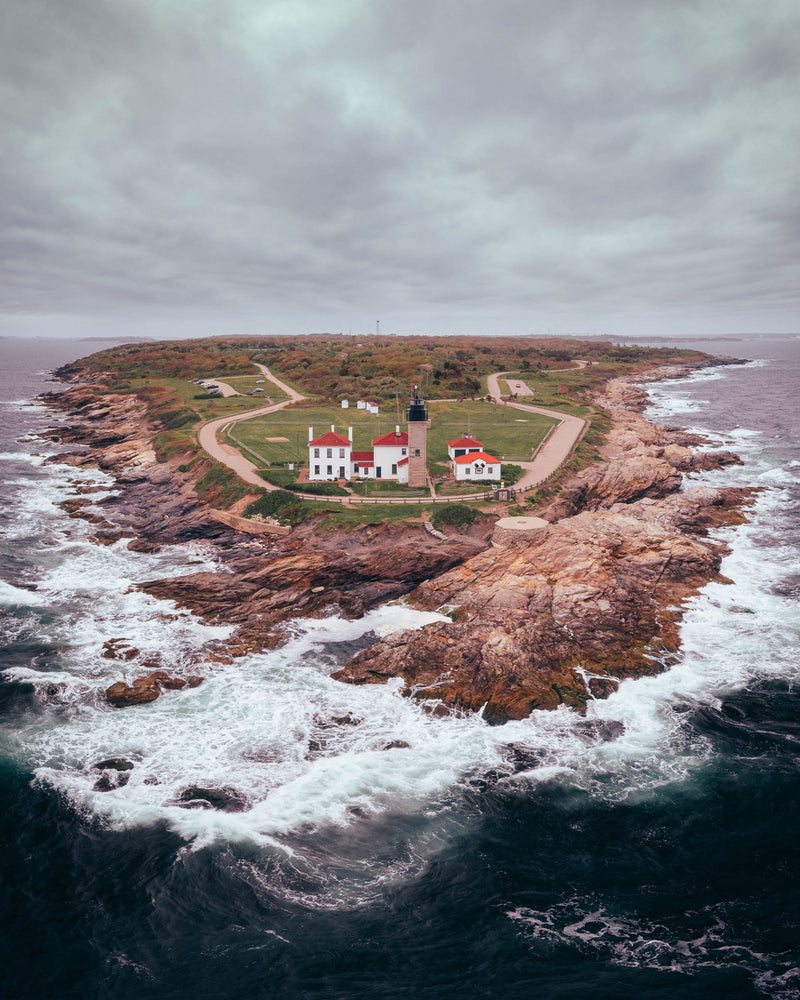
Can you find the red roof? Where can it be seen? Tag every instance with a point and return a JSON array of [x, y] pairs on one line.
[[403, 461], [329, 440], [389, 439], [363, 457], [465, 442], [476, 456]]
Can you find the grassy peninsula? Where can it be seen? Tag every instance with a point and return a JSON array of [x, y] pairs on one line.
[[451, 373]]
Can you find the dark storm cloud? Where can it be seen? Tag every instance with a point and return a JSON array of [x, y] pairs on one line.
[[505, 165]]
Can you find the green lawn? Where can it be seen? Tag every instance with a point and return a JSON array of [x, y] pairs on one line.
[[375, 488], [504, 432], [545, 388], [207, 408]]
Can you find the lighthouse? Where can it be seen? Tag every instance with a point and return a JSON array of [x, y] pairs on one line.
[[417, 417]]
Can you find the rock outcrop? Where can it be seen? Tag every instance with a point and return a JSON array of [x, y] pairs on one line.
[[148, 688], [559, 619], [348, 572], [594, 598], [639, 459]]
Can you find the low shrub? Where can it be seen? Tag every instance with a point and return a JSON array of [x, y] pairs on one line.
[[512, 474], [220, 486], [319, 489], [458, 515], [282, 505]]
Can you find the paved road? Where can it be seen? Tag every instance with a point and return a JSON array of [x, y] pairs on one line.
[[225, 388], [227, 454], [550, 455], [556, 448]]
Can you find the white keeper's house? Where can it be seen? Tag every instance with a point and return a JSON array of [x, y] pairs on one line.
[[331, 457]]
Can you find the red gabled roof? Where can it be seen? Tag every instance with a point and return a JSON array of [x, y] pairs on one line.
[[362, 457], [465, 442], [403, 461], [329, 440], [389, 439], [476, 456]]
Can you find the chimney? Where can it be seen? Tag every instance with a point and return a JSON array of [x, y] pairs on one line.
[[310, 434], [333, 428], [350, 434], [397, 430]]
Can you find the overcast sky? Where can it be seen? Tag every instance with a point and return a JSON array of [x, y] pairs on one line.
[[180, 167]]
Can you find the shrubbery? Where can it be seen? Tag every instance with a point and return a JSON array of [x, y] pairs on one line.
[[319, 489], [512, 474], [459, 515], [280, 504]]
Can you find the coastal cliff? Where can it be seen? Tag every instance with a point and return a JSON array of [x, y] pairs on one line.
[[558, 619], [594, 598]]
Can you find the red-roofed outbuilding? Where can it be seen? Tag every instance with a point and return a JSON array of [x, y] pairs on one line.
[[476, 465], [463, 445]]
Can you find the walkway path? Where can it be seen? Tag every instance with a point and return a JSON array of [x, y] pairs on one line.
[[550, 455], [226, 453], [557, 445]]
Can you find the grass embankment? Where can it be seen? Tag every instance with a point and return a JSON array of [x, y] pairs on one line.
[[288, 508]]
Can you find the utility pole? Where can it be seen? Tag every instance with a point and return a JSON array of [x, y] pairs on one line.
[[377, 327]]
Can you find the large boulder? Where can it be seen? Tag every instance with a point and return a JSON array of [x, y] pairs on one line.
[[148, 688]]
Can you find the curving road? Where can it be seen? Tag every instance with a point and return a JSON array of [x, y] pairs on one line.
[[226, 453], [557, 446], [548, 458]]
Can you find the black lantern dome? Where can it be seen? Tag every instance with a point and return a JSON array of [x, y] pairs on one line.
[[417, 411]]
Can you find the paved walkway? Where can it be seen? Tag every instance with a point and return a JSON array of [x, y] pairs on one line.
[[226, 453], [557, 446], [555, 450]]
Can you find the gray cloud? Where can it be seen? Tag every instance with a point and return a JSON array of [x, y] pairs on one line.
[[290, 165]]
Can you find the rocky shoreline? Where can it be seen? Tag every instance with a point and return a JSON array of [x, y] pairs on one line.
[[558, 619]]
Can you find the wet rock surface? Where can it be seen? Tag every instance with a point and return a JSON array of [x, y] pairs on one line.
[[148, 688], [224, 799]]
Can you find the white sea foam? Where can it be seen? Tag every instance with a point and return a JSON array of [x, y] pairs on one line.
[[585, 925], [12, 596], [23, 456]]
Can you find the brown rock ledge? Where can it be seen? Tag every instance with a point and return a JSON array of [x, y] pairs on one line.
[[597, 594]]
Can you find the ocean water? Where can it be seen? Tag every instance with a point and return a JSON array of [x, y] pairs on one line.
[[381, 852]]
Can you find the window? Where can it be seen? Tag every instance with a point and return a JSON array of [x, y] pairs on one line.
[[355, 466], [341, 453], [330, 470], [330, 453], [416, 452], [316, 453], [405, 452], [394, 470], [316, 470]]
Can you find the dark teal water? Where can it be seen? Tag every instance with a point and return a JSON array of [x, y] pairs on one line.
[[507, 862]]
